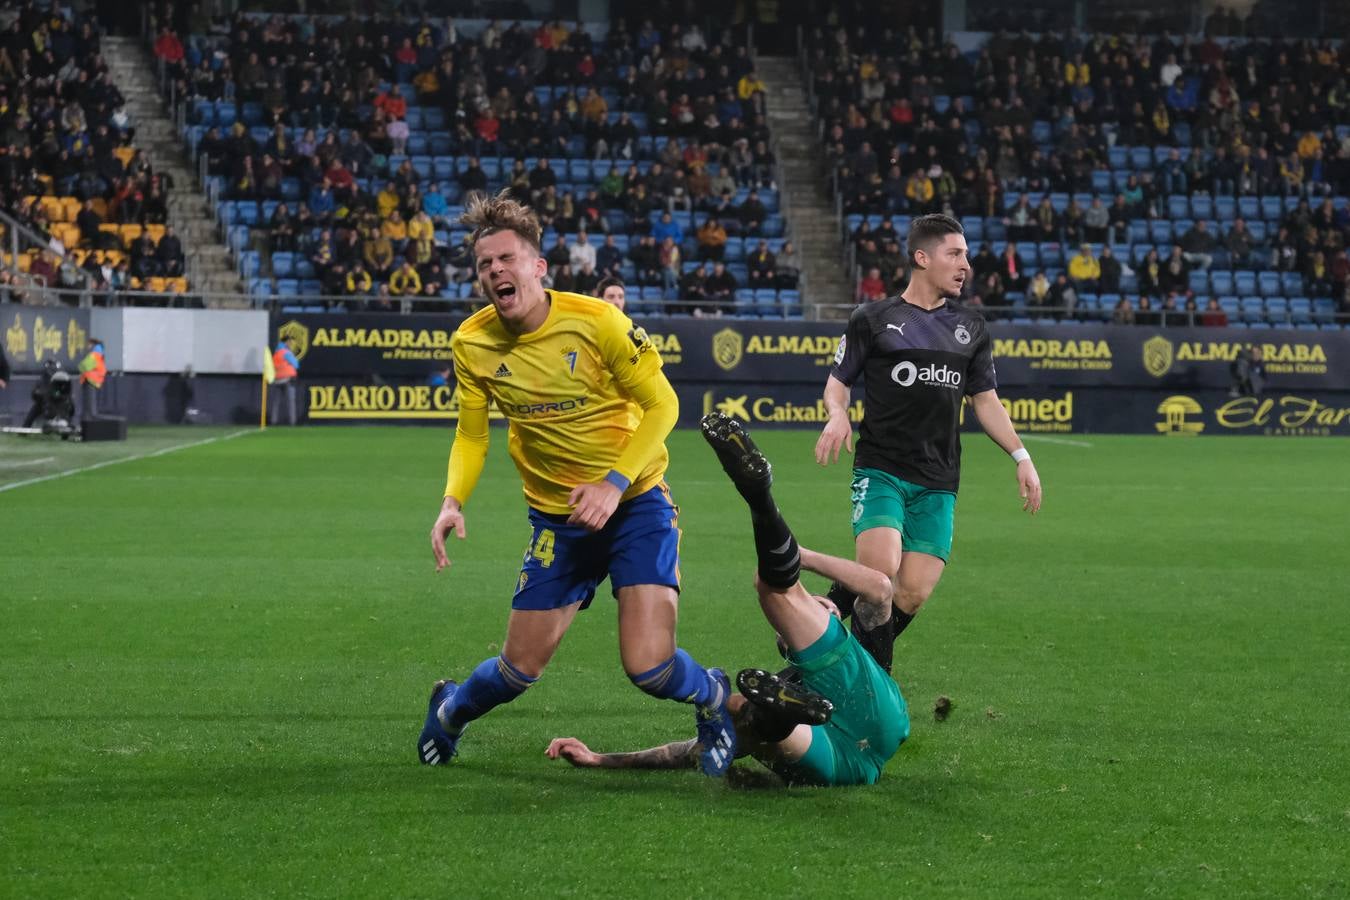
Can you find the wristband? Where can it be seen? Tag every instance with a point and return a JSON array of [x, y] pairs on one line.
[[618, 480], [1020, 454]]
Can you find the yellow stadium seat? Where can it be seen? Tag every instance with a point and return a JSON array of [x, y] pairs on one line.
[[156, 232], [129, 233], [66, 233], [25, 262], [124, 154], [101, 207], [178, 285], [70, 208], [155, 284]]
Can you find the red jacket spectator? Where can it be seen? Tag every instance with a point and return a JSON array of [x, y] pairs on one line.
[[392, 104], [168, 47], [872, 287]]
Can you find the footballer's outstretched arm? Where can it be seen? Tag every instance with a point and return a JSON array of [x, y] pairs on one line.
[[676, 755], [994, 420], [870, 585]]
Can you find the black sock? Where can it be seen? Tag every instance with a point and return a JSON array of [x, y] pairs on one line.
[[900, 621], [878, 641], [767, 726], [780, 560], [843, 598]]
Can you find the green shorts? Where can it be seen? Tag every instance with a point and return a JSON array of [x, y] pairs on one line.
[[869, 722], [923, 516]]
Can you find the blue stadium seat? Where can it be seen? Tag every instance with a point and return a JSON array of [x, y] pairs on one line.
[[1245, 283], [283, 264], [1258, 231], [1249, 208], [1253, 309], [1271, 209], [974, 229], [1291, 283], [439, 143], [1269, 284], [1101, 181], [1221, 281], [287, 287], [443, 167], [260, 287], [1199, 282], [766, 301], [250, 264], [1141, 159], [1300, 310], [1225, 208], [1323, 308], [1160, 231], [423, 166], [1178, 206], [1139, 231], [1202, 207]]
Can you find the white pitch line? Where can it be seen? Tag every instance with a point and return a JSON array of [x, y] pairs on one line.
[[1055, 440], [113, 462], [26, 462]]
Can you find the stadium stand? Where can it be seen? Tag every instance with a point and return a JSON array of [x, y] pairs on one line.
[[339, 148], [69, 171], [1178, 170]]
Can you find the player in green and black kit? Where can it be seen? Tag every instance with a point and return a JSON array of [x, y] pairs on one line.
[[837, 717], [920, 356]]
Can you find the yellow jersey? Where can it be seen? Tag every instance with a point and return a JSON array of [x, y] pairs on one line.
[[583, 395]]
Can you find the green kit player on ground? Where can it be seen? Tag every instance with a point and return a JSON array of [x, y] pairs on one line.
[[834, 717]]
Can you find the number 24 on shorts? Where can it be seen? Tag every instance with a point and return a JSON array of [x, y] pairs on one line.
[[542, 549]]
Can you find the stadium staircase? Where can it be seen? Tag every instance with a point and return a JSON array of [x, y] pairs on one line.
[[210, 270], [801, 160]]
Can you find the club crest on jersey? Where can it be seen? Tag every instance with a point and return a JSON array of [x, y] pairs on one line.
[[961, 334], [570, 354]]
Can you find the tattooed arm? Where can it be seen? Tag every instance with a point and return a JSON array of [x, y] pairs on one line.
[[677, 755]]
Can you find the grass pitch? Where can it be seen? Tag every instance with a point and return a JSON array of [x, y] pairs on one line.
[[214, 664]]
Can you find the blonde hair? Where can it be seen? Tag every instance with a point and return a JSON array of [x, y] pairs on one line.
[[488, 215]]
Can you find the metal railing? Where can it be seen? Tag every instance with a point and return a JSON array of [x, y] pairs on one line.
[[22, 238]]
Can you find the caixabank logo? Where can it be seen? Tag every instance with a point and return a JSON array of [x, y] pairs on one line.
[[766, 409]]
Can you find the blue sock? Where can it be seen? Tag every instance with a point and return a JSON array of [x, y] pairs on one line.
[[678, 678], [493, 683]]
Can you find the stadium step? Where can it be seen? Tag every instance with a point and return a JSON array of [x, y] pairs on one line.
[[211, 270], [826, 286]]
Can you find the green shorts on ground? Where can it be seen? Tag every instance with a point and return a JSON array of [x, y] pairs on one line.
[[870, 720], [923, 516]]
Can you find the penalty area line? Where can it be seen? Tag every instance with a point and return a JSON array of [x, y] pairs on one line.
[[1066, 442], [112, 462]]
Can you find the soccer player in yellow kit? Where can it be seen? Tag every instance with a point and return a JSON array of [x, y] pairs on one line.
[[588, 411]]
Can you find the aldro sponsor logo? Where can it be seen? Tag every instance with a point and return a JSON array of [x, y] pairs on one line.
[[770, 409], [729, 347], [1286, 358], [384, 401], [907, 373], [1047, 354]]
